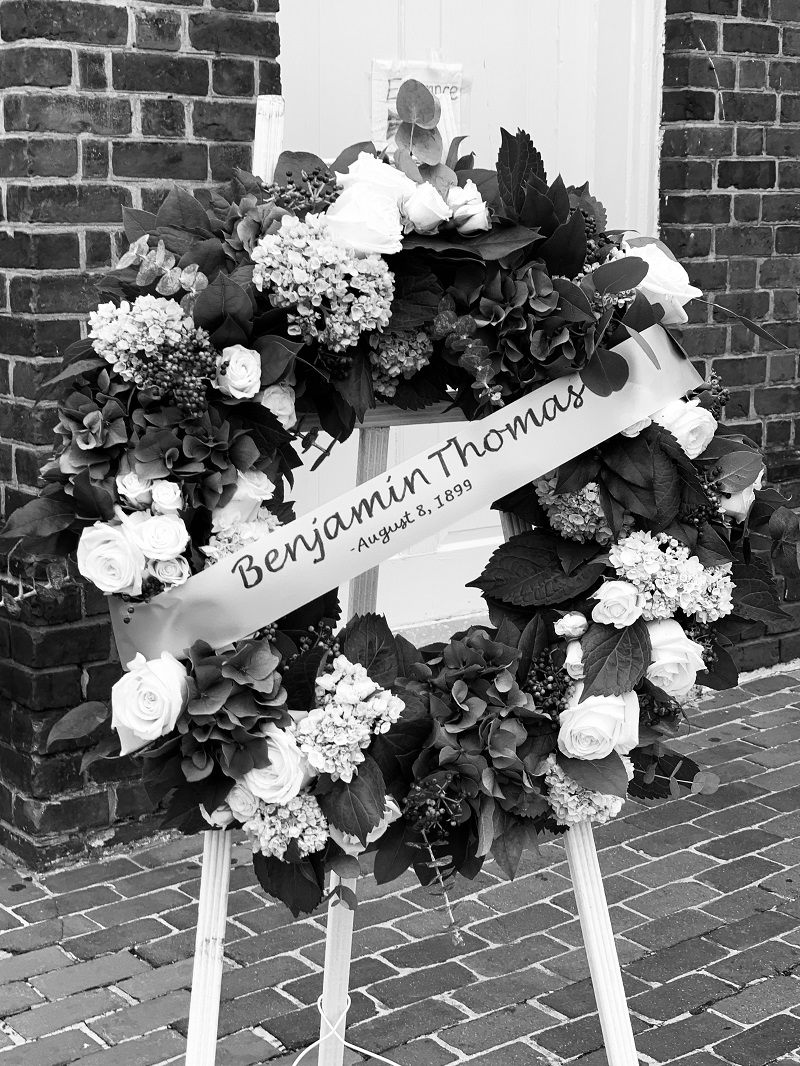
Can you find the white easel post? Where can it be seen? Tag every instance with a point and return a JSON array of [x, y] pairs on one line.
[[201, 1045], [598, 935], [373, 455]]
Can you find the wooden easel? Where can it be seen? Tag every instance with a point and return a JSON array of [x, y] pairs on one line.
[[587, 879]]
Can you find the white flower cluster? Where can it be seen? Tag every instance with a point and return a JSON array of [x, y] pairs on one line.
[[334, 296], [572, 803], [233, 538], [275, 825], [150, 324], [575, 515], [671, 579], [351, 709], [400, 352]]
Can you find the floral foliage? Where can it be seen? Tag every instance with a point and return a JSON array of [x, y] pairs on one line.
[[237, 319]]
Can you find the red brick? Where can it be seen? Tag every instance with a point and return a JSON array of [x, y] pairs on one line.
[[64, 20], [67, 203], [44, 113], [762, 960], [219, 120], [746, 37], [92, 70], [162, 118], [28, 65], [64, 1012], [185, 75], [763, 1042], [171, 159], [52, 1050], [671, 1041], [40, 157], [213, 32], [86, 975], [158, 30]]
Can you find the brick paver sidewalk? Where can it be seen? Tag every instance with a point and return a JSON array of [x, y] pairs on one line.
[[95, 962]]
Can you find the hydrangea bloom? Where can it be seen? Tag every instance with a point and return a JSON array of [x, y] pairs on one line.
[[398, 353], [671, 579], [572, 803], [351, 708], [233, 538], [333, 295], [274, 826], [576, 515]]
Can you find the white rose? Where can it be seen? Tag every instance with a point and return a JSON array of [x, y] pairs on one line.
[[372, 171], [238, 372], [470, 213], [220, 818], [666, 283], [738, 504], [108, 559], [252, 488], [675, 660], [352, 845], [636, 428], [170, 572], [135, 489], [572, 625], [619, 604], [158, 536], [599, 725], [573, 663], [147, 702], [425, 209], [242, 802], [366, 220], [288, 771], [167, 497], [279, 399], [692, 426]]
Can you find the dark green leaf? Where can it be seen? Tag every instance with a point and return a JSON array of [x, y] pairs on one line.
[[300, 678], [416, 300], [755, 595], [606, 372], [614, 660], [209, 256], [368, 640], [535, 638], [512, 836], [738, 469], [394, 854], [396, 751], [356, 389], [80, 722], [107, 748], [565, 251], [74, 370], [619, 275], [526, 571], [228, 333], [292, 165], [560, 198], [300, 885], [180, 211], [91, 498], [223, 297], [722, 673], [452, 152], [137, 223], [349, 155], [407, 655], [357, 807], [277, 355], [39, 519], [606, 776], [518, 165]]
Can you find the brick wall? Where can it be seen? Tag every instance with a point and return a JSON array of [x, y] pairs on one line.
[[730, 202], [730, 210], [104, 104]]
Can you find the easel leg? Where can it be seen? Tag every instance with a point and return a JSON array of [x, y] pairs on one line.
[[598, 936], [601, 951], [209, 949], [373, 455]]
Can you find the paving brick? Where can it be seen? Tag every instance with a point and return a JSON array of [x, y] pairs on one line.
[[256, 948], [44, 934], [94, 974], [497, 1028], [679, 997], [669, 840], [150, 880], [51, 1017], [519, 923], [243, 1049], [115, 938], [257, 1008], [671, 898], [685, 957], [266, 974], [492, 962], [753, 930], [671, 868], [127, 910], [763, 960], [736, 874], [763, 1042], [738, 844], [672, 930], [577, 1037], [787, 799], [678, 1038], [298, 1028], [149, 984], [142, 1018], [16, 997], [761, 1000], [432, 950], [784, 882], [33, 963], [96, 873], [52, 1050], [162, 1046], [575, 1000], [56, 907], [427, 1052]]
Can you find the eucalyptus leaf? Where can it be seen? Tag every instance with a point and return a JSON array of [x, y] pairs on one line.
[[417, 105], [422, 144]]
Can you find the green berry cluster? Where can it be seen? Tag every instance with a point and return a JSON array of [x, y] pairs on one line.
[[434, 804], [317, 193], [181, 372]]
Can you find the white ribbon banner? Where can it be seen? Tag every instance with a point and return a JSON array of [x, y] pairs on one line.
[[479, 464]]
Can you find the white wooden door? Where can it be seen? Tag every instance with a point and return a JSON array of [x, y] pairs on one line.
[[583, 77]]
